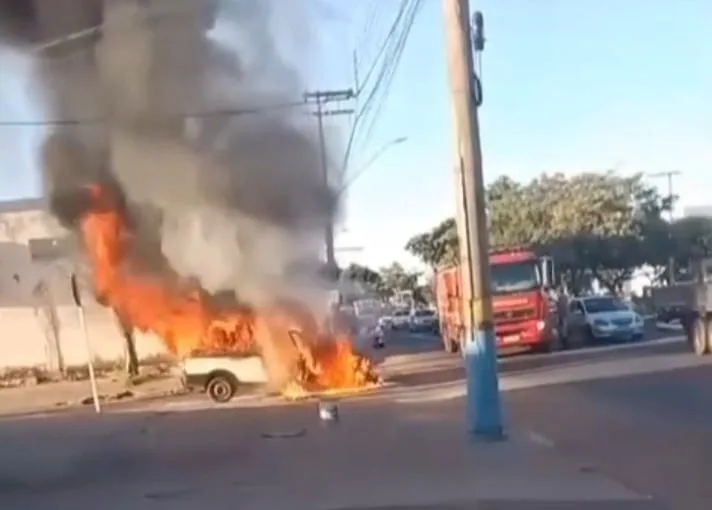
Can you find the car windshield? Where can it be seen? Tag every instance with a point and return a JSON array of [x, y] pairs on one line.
[[424, 313], [516, 277], [400, 313], [603, 304]]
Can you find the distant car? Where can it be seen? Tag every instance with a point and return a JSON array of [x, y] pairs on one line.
[[598, 318], [385, 322], [400, 319], [221, 377], [423, 320]]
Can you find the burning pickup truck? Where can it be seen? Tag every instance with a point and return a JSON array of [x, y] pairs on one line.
[[222, 377]]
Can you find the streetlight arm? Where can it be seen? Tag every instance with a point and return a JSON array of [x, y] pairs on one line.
[[371, 161]]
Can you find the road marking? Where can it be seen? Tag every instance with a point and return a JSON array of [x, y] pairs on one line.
[[539, 439]]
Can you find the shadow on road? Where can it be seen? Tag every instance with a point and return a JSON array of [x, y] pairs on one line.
[[530, 364], [429, 377]]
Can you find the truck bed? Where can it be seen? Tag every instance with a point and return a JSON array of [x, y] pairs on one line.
[[683, 296]]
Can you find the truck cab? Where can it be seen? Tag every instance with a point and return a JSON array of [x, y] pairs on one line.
[[523, 313]]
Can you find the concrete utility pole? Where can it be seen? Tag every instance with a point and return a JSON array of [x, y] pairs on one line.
[[670, 174], [484, 415], [320, 99]]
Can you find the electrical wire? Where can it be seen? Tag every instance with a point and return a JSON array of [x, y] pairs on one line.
[[227, 112], [366, 105], [386, 67], [368, 25], [384, 45], [402, 42], [151, 15]]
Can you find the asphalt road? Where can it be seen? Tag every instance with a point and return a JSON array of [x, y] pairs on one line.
[[652, 432], [403, 343]]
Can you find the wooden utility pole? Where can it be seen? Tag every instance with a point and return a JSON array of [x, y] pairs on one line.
[[320, 99], [670, 174], [484, 416]]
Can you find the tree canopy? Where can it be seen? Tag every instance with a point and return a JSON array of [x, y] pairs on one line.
[[600, 225], [383, 283]]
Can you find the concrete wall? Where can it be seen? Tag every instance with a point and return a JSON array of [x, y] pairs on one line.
[[27, 339], [38, 320]]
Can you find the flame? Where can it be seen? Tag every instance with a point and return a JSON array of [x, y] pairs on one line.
[[183, 316]]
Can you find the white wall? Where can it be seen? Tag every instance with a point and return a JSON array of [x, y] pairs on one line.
[[25, 340], [31, 292]]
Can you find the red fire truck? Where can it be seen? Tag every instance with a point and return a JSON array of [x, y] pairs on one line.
[[524, 316]]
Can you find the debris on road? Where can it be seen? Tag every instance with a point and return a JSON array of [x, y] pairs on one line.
[[284, 435]]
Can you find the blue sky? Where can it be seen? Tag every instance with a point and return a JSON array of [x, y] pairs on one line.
[[569, 86]]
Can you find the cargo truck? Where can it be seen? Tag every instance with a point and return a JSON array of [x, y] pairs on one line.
[[690, 302]]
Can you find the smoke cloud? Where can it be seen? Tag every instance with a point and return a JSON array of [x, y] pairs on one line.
[[241, 196], [235, 201]]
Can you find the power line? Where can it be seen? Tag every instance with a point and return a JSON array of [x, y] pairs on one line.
[[386, 41], [368, 25], [388, 68], [366, 104], [397, 59], [227, 112]]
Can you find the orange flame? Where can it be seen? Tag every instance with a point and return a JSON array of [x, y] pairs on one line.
[[187, 321]]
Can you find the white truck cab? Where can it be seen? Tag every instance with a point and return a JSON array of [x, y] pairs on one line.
[[222, 376]]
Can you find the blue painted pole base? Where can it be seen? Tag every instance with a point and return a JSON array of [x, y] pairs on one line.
[[484, 410]]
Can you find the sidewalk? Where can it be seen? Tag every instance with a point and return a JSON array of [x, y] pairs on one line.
[[376, 457], [67, 394], [669, 326]]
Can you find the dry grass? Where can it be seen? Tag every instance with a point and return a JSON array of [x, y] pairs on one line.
[[151, 368]]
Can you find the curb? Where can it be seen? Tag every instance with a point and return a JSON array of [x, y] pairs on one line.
[[664, 326]]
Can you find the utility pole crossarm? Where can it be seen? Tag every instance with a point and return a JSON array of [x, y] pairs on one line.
[[327, 96]]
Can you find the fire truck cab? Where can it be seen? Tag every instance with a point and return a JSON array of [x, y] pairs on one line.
[[523, 313]]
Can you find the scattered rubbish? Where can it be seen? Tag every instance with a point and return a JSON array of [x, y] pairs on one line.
[[285, 434], [167, 494], [328, 411], [123, 394], [90, 400]]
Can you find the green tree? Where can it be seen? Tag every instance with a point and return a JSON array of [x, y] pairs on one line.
[[363, 274], [436, 247], [594, 224], [365, 280], [396, 278], [691, 240]]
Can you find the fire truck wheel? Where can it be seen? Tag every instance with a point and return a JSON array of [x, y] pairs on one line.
[[545, 347], [450, 346], [221, 387], [701, 337]]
